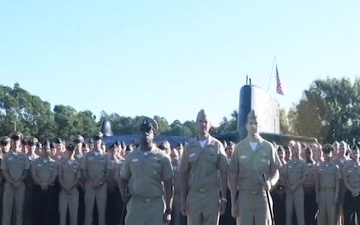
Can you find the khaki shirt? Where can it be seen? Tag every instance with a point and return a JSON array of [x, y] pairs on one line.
[[29, 181], [32, 157], [351, 172], [145, 171], [310, 175], [69, 171], [296, 170], [329, 174], [340, 162], [15, 163], [114, 175], [202, 165], [95, 164], [45, 168], [250, 165]]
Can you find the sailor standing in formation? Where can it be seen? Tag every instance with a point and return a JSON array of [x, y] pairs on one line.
[[203, 159], [254, 171], [147, 180], [35, 177]]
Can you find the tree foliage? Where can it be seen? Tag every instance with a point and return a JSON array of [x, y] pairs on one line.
[[29, 114], [329, 110]]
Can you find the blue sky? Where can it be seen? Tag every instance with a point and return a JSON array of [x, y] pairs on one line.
[[172, 58]]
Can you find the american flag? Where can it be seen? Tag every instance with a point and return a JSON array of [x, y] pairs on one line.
[[279, 89]]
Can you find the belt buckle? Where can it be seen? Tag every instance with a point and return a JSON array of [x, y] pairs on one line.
[[254, 192], [202, 190], [147, 200]]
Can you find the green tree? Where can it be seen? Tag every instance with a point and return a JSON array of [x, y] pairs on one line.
[[87, 123], [284, 122], [25, 112], [67, 123], [162, 123], [178, 129], [329, 110], [228, 125]]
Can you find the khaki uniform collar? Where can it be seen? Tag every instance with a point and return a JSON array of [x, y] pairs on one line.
[[153, 150], [209, 140], [261, 140]]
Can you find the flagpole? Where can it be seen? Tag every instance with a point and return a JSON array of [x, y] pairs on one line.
[[272, 69]]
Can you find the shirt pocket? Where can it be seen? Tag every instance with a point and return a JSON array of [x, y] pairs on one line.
[[299, 170], [193, 156], [244, 166], [75, 168], [211, 157], [263, 163], [135, 165], [156, 167]]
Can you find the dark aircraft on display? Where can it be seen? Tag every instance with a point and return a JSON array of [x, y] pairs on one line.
[[251, 97]]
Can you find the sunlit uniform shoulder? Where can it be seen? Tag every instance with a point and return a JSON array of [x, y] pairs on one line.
[[138, 150], [245, 144]]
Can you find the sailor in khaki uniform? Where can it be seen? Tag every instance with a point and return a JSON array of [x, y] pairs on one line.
[[69, 175], [79, 156], [44, 172], [278, 193], [145, 175], [327, 187], [114, 204], [253, 171], [174, 155], [29, 182], [310, 204], [4, 148], [203, 159], [340, 160], [351, 177], [15, 166], [296, 171], [4, 145], [95, 168]]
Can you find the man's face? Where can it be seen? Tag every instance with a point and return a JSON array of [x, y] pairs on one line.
[[146, 134], [32, 147], [25, 147], [174, 154], [252, 126], [97, 142], [354, 154], [280, 154], [327, 155], [203, 125], [53, 151], [180, 149], [229, 150], [296, 151], [342, 148], [288, 154]]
